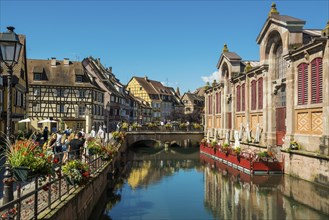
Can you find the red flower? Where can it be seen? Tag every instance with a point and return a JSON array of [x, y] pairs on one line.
[[85, 174], [56, 160]]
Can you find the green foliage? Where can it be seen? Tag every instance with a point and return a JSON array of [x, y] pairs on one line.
[[27, 153], [76, 172], [94, 146]]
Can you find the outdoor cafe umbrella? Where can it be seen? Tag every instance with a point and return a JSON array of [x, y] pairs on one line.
[[24, 120], [46, 121]]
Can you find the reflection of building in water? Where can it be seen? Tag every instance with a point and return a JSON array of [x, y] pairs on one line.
[[231, 194], [145, 172]]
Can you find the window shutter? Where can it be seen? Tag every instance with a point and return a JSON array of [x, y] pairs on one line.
[[302, 84], [238, 98], [260, 93], [316, 82], [243, 97], [219, 102], [253, 95]]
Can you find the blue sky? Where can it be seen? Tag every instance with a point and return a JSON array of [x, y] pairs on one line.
[[174, 42]]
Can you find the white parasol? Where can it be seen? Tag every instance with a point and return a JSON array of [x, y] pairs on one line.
[[26, 120], [46, 121]]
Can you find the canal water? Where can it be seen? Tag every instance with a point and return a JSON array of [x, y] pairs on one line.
[[182, 184]]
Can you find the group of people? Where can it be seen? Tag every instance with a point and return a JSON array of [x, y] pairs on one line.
[[68, 144], [64, 145]]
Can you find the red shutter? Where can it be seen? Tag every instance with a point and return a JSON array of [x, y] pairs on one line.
[[302, 84], [238, 98], [316, 82], [243, 97], [253, 95], [210, 104], [260, 93], [219, 101]]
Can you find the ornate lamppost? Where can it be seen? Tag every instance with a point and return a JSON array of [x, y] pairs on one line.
[[10, 49]]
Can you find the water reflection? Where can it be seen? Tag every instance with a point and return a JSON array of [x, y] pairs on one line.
[[230, 194], [182, 184]]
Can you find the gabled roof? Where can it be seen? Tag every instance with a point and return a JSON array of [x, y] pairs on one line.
[[291, 23], [61, 75], [146, 84], [230, 56]]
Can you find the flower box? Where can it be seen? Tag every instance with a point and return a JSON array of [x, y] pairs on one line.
[[23, 174]]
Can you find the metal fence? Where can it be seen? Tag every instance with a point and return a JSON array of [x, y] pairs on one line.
[[32, 199]]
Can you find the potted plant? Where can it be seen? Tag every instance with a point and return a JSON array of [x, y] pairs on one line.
[[108, 152], [76, 172], [168, 126], [27, 160], [93, 146], [294, 145], [124, 126]]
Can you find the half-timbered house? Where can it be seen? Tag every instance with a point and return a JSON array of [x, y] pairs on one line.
[[65, 92]]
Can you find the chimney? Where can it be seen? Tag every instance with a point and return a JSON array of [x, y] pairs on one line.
[[53, 61], [66, 61], [146, 79], [98, 61], [110, 69]]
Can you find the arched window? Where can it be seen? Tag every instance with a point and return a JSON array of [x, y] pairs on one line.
[[238, 98], [260, 93], [316, 80], [302, 84], [280, 64]]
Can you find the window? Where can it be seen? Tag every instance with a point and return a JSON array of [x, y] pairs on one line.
[[61, 108], [22, 74], [36, 107], [302, 84], [18, 98], [36, 91], [82, 93], [316, 82], [260, 93], [60, 92], [238, 98], [280, 64], [82, 110], [243, 97], [1, 100], [217, 103], [253, 95], [78, 78], [37, 76], [210, 104]]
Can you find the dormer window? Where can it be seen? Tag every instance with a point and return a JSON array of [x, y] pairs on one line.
[[78, 78], [37, 76]]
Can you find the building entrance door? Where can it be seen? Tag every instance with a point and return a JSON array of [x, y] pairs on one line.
[[280, 125]]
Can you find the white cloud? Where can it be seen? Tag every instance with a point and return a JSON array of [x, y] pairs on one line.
[[211, 78]]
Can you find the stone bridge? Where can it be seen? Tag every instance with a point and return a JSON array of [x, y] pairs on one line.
[[164, 138]]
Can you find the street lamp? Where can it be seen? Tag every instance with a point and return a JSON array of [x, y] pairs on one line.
[[10, 49]]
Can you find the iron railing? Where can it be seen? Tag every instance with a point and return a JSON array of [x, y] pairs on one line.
[[32, 199]]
